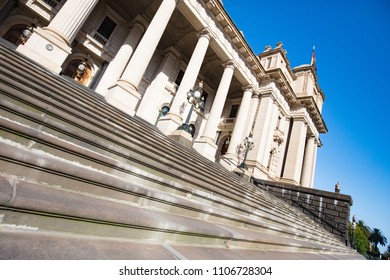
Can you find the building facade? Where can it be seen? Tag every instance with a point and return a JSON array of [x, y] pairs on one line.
[[143, 57]]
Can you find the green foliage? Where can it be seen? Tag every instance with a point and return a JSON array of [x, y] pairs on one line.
[[363, 237], [376, 237], [361, 242]]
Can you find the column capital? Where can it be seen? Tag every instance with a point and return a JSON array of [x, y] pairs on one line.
[[229, 64], [205, 33], [250, 88], [140, 21], [300, 119]]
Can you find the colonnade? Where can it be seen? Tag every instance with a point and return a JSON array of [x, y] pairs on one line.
[[122, 78]]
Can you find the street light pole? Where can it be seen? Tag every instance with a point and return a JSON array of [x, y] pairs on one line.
[[249, 145], [196, 100], [353, 231]]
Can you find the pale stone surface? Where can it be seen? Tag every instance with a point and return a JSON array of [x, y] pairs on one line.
[[149, 49]]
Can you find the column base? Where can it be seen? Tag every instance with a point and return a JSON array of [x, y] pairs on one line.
[[228, 163], [183, 137], [206, 147], [46, 49], [289, 181], [124, 97], [245, 174], [169, 124]]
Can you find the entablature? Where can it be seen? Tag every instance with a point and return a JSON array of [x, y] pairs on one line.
[[314, 113], [236, 37]]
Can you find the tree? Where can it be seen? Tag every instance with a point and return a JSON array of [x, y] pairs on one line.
[[365, 229], [360, 240], [376, 237]]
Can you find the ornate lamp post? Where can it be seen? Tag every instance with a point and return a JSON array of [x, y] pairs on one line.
[[196, 100], [26, 33], [249, 145], [81, 70]]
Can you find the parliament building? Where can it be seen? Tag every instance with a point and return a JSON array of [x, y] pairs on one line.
[[144, 57], [149, 129]]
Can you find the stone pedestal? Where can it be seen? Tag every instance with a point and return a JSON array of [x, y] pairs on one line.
[[46, 49], [51, 45], [206, 147], [124, 97], [183, 137], [245, 174]]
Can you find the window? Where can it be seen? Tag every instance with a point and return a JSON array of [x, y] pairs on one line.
[[13, 34], [233, 111], [179, 77], [52, 3], [105, 30]]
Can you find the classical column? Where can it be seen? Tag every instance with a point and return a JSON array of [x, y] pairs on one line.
[[151, 100], [308, 160], [284, 127], [206, 144], [124, 95], [69, 20], [239, 125], [295, 152], [118, 64], [174, 118], [262, 135], [313, 169], [143, 54], [52, 44]]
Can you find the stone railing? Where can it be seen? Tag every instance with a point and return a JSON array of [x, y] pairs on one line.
[[329, 209]]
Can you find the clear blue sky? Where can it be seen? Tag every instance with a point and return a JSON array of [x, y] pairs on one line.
[[352, 40]]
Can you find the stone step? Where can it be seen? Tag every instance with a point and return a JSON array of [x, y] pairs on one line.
[[60, 138], [46, 142], [67, 116]]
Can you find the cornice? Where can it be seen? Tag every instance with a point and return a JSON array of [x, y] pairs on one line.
[[299, 70], [309, 103], [280, 79], [236, 37]]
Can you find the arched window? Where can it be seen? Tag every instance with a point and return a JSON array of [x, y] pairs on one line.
[[225, 146], [79, 70], [13, 34]]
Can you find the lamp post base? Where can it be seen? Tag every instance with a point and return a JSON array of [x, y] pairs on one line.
[[185, 127]]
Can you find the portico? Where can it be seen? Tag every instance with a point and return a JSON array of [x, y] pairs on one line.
[[146, 57]]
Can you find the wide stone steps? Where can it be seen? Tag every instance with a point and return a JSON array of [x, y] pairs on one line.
[[72, 163]]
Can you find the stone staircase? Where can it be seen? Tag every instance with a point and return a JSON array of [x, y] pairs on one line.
[[81, 180]]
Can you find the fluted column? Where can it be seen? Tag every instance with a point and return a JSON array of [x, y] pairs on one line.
[[69, 20], [152, 97], [206, 144], [262, 135], [124, 95], [239, 125], [147, 46], [219, 102], [175, 117], [313, 169], [307, 167], [295, 153], [51, 45], [118, 64]]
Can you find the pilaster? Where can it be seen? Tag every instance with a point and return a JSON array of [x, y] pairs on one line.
[[262, 135], [295, 153]]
